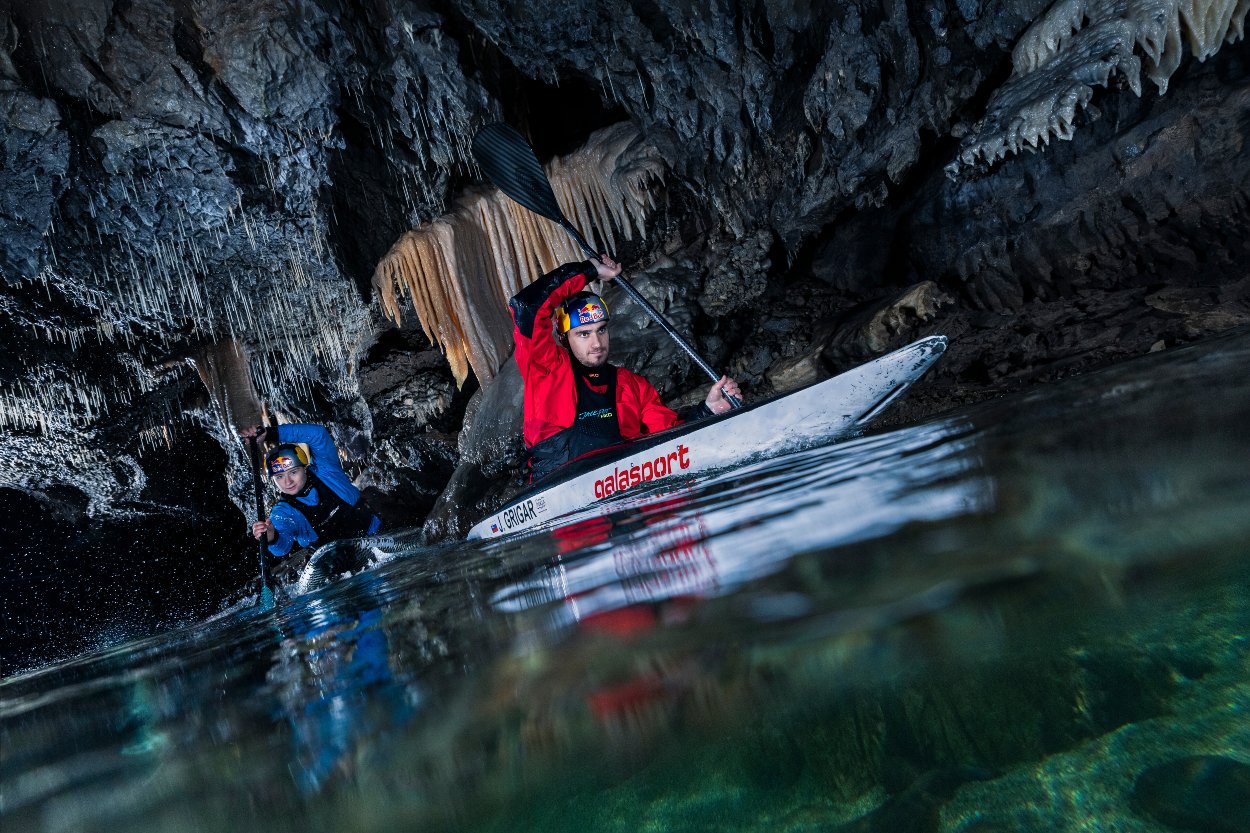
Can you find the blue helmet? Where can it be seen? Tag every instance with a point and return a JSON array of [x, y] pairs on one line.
[[285, 457], [582, 308]]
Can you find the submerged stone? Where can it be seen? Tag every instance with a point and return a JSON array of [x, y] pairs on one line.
[[916, 809], [1202, 792]]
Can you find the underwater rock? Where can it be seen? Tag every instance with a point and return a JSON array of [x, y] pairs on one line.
[[1202, 792], [916, 809]]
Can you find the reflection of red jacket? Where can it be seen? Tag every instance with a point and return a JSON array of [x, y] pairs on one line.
[[547, 370]]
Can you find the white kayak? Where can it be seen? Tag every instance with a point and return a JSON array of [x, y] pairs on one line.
[[818, 413]]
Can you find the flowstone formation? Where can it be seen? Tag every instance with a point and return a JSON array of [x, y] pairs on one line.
[[460, 270], [1078, 44]]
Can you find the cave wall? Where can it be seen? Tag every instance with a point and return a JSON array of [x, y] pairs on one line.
[[182, 174]]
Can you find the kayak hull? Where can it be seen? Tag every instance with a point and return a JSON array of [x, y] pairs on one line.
[[820, 412]]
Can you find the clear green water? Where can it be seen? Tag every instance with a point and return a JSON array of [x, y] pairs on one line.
[[1004, 619]]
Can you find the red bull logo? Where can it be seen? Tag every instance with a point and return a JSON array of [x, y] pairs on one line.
[[588, 313], [283, 463]]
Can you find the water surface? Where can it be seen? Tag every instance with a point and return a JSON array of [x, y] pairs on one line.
[[1028, 615]]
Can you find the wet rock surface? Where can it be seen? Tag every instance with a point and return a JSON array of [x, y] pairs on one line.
[[915, 810], [1203, 792], [178, 177]]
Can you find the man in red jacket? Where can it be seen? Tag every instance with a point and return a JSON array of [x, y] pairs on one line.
[[575, 402]]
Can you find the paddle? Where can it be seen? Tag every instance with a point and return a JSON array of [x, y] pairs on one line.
[[266, 594], [509, 162]]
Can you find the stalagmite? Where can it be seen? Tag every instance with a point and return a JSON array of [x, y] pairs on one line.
[[461, 269], [1079, 44]]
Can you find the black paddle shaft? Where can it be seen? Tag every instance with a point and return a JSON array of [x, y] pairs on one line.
[[510, 163], [260, 512]]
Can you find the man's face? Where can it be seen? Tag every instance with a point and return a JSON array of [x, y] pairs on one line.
[[589, 343], [291, 481]]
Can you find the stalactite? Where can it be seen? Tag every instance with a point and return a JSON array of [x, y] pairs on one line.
[[460, 270], [163, 292], [156, 436], [45, 400], [223, 369], [1078, 44]]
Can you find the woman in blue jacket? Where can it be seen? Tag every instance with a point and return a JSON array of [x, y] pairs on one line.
[[317, 501]]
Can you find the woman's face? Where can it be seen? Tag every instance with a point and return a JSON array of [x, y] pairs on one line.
[[291, 481]]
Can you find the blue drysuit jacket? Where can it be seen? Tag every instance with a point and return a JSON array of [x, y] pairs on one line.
[[291, 526]]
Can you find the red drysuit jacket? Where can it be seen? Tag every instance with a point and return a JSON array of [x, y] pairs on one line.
[[547, 369]]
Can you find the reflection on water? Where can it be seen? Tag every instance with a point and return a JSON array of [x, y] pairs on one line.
[[1027, 616], [736, 528]]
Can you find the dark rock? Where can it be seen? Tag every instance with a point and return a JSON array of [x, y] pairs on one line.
[[794, 373], [403, 479], [1202, 792], [737, 273], [880, 329], [1068, 228], [916, 809], [638, 342], [475, 490], [34, 158], [492, 421]]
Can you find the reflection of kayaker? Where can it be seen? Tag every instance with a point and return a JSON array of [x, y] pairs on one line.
[[625, 588], [317, 503], [336, 686], [664, 576], [575, 401]]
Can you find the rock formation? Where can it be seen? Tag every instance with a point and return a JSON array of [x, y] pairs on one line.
[[460, 270]]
